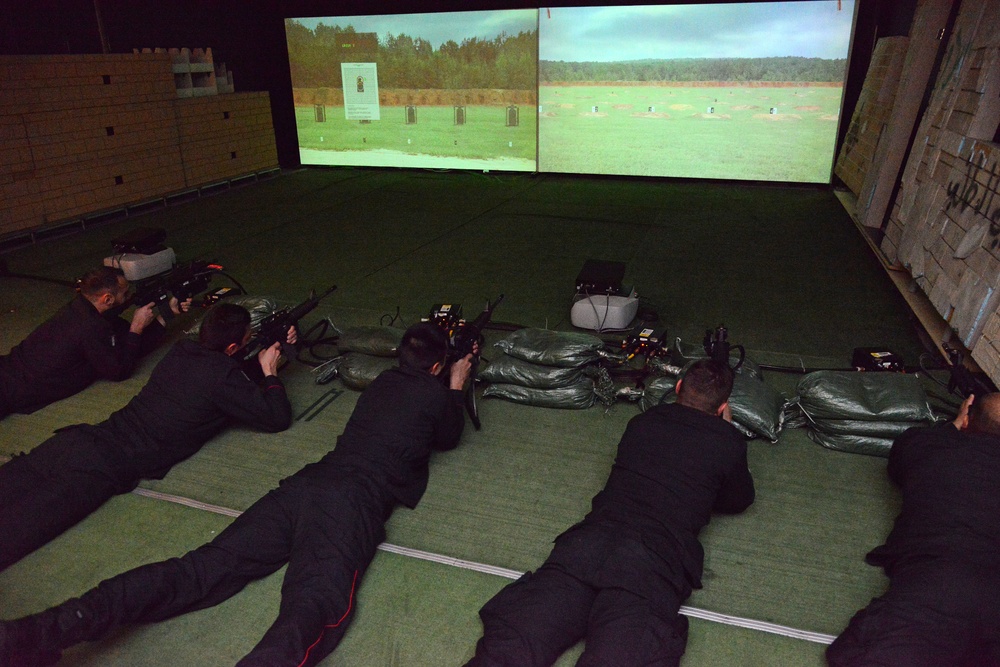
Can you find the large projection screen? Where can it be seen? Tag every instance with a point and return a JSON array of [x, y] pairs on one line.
[[748, 91], [451, 90]]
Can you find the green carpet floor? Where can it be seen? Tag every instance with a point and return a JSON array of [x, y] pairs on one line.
[[410, 613], [783, 268]]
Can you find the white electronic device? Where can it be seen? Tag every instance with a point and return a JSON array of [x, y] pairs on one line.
[[136, 266], [603, 312]]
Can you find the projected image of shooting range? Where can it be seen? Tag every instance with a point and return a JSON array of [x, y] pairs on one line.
[[453, 90], [748, 91]]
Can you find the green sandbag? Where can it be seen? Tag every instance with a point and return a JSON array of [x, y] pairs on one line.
[[574, 397], [855, 444], [564, 349], [357, 370], [505, 369], [856, 427], [883, 397], [259, 307], [757, 408], [658, 390], [376, 341]]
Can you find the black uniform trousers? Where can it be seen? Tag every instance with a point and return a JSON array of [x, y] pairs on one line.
[[589, 587], [326, 532], [938, 612], [53, 487]]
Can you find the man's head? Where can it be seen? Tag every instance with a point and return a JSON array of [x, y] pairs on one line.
[[425, 347], [104, 287], [706, 386], [984, 415], [225, 328]]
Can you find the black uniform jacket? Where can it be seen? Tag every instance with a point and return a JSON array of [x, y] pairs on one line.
[[951, 497], [64, 355], [675, 466], [399, 419], [191, 395]]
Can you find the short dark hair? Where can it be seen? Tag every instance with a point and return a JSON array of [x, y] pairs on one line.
[[706, 385], [984, 414], [98, 281], [424, 344], [223, 325]]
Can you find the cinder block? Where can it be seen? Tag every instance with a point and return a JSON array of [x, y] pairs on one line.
[[987, 356]]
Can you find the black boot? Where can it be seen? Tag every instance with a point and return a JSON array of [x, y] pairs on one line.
[[17, 647], [38, 640]]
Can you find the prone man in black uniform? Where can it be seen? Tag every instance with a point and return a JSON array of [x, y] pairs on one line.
[[325, 521], [942, 557], [618, 578], [192, 394], [79, 344]]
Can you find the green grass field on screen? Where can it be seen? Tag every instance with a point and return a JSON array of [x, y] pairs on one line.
[[484, 135], [739, 139]]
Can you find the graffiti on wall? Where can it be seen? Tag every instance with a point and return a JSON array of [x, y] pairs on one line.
[[954, 58], [969, 192]]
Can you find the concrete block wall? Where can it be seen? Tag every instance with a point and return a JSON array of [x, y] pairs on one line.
[[225, 136], [871, 113], [81, 134], [945, 222]]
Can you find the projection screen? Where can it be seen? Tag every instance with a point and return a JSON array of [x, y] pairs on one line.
[[730, 91], [455, 90], [747, 91]]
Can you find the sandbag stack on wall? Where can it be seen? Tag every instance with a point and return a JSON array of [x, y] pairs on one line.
[[544, 368], [944, 225], [861, 412], [83, 134]]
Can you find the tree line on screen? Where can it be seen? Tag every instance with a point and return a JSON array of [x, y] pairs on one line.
[[506, 61], [787, 68]]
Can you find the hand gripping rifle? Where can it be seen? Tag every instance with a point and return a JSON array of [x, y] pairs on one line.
[[274, 328], [183, 282], [462, 342]]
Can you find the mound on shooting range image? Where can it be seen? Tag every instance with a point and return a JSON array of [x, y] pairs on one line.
[[730, 91], [449, 90]]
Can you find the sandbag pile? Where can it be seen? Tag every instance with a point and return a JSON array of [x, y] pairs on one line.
[[861, 412], [367, 351], [758, 409], [658, 390], [260, 307], [552, 369]]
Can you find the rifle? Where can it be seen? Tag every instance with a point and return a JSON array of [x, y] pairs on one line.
[[274, 328], [464, 337], [717, 346], [183, 282], [962, 380]]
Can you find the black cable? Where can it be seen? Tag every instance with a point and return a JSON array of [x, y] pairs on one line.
[[308, 343], [6, 273], [392, 319], [235, 282], [801, 370]]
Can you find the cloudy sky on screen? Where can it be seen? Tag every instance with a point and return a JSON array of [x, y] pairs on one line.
[[811, 28], [744, 30]]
